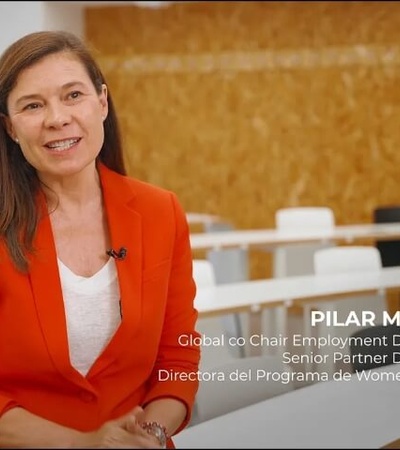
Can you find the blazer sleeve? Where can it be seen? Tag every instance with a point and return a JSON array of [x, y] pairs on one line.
[[179, 363], [6, 403]]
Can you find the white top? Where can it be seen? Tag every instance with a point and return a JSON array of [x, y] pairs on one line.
[[92, 310]]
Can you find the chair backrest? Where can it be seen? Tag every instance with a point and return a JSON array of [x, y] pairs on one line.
[[219, 396], [389, 250], [203, 273], [298, 259], [212, 327], [347, 259], [304, 217], [344, 259], [231, 265], [383, 338]]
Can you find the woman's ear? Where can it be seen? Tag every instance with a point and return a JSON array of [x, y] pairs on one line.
[[5, 120], [104, 101]]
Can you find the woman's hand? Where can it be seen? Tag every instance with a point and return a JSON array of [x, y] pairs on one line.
[[125, 432]]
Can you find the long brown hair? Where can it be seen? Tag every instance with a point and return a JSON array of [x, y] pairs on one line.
[[19, 183]]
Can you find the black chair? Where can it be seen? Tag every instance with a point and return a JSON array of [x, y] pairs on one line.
[[389, 250], [368, 348]]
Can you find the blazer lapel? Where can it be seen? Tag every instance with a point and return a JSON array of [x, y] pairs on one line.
[[125, 226], [125, 231], [47, 293]]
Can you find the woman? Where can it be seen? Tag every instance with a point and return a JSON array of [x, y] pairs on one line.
[[95, 267]]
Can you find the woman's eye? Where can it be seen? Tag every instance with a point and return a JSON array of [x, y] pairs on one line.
[[32, 106], [74, 95]]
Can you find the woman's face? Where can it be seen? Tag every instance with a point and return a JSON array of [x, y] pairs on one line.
[[57, 116]]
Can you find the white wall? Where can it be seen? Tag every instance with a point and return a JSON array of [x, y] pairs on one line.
[[19, 18], [62, 16]]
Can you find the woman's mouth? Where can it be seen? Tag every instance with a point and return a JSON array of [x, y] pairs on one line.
[[62, 145]]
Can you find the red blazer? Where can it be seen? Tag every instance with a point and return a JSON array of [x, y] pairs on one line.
[[157, 292]]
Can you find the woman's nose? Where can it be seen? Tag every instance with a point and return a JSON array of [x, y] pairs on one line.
[[57, 115]]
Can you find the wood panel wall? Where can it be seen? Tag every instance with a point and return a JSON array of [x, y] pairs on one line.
[[242, 108]]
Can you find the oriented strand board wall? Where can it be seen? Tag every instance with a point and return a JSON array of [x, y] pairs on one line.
[[245, 107]]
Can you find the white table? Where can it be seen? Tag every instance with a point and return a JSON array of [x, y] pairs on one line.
[[271, 292], [273, 238], [201, 218], [252, 296], [332, 414]]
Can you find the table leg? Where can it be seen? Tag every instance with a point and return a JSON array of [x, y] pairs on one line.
[[255, 328], [276, 328]]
